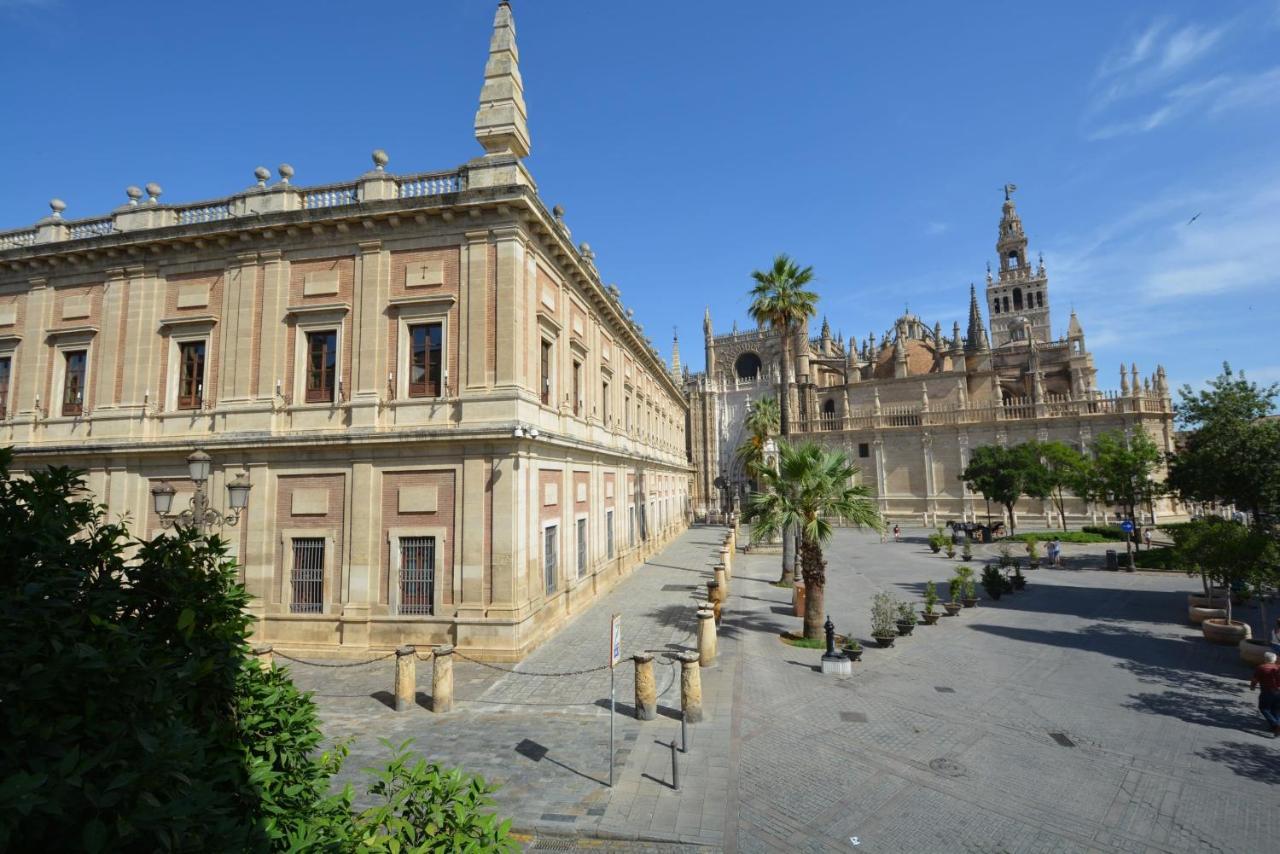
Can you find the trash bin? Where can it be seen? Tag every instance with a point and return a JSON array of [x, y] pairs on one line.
[[1113, 562]]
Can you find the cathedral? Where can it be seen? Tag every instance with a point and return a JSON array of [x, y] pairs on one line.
[[910, 405]]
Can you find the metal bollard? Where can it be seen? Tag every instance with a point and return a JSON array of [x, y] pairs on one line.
[[675, 767], [442, 679], [684, 736], [406, 677]]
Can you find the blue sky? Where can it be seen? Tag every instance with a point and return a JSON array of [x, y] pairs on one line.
[[690, 142]]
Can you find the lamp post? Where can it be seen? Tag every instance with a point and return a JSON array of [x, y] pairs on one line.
[[200, 515]]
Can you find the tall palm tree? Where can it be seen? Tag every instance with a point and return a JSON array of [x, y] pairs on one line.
[[811, 487], [762, 422], [779, 300]]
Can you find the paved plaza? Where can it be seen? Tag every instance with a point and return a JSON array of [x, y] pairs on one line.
[[1083, 714]]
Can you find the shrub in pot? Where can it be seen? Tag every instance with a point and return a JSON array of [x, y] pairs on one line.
[[1005, 556], [1033, 553], [883, 617], [937, 540], [1252, 651], [1019, 580], [930, 603], [1225, 631], [967, 552], [993, 582], [853, 650], [968, 586], [951, 549], [906, 618], [955, 589]]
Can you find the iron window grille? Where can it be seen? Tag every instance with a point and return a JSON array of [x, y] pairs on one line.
[[608, 533], [307, 576], [6, 368], [582, 547], [549, 554], [417, 575]]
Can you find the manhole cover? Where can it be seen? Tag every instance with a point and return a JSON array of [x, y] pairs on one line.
[[1061, 738], [854, 717], [947, 767]]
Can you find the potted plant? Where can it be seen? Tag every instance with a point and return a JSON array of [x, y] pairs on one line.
[[968, 586], [930, 602], [955, 589], [937, 540], [993, 582], [853, 650], [967, 552], [1033, 553], [1005, 557], [1019, 580], [883, 615], [906, 618], [951, 549]]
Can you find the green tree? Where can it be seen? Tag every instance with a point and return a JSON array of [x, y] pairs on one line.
[[134, 717], [1064, 471], [1003, 475], [1230, 452], [780, 301], [762, 422], [1122, 473], [1225, 552], [811, 487]]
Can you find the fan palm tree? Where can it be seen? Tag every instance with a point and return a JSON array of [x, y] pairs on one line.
[[761, 423], [779, 300], [811, 487]]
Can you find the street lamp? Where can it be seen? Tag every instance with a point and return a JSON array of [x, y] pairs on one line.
[[200, 515]]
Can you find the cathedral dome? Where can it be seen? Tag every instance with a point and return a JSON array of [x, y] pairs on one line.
[[921, 357]]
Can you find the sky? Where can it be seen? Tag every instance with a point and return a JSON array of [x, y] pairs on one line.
[[690, 142]]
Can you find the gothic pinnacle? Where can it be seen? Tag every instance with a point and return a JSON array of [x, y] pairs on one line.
[[502, 124]]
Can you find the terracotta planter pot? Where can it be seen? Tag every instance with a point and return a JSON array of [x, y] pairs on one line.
[[885, 643], [1196, 600], [1251, 651], [970, 603], [1220, 631], [1199, 615], [953, 608], [929, 619]]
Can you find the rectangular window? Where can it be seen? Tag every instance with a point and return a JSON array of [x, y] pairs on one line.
[[73, 382], [6, 367], [417, 574], [608, 533], [322, 366], [191, 375], [577, 388], [631, 526], [604, 401], [425, 360], [864, 450], [545, 373], [582, 547], [550, 551], [626, 410], [307, 576]]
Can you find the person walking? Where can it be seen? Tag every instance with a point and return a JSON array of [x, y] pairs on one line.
[[1056, 548], [1146, 537], [897, 534], [1266, 677]]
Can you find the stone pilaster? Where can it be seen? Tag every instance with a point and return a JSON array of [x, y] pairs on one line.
[[475, 309], [369, 330], [239, 302], [272, 343]]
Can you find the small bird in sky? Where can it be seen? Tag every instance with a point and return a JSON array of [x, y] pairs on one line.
[[1194, 218]]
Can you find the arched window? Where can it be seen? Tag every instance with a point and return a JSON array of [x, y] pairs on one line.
[[1013, 259], [1017, 299], [747, 367], [995, 306], [829, 413], [1039, 299]]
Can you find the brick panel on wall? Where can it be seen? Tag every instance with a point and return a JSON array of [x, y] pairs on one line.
[[330, 523], [447, 261], [442, 517]]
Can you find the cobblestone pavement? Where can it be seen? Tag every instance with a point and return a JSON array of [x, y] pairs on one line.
[[1083, 714]]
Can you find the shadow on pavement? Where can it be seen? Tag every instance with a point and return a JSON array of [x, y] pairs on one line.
[[1257, 762], [536, 752]]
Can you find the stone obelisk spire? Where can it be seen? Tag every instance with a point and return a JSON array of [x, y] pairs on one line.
[[502, 122]]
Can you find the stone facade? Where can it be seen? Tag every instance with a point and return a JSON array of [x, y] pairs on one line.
[[454, 431], [910, 405]]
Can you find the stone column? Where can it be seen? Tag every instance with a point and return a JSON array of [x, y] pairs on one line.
[[713, 591], [707, 647], [726, 557], [646, 687], [264, 656], [722, 579], [690, 687], [442, 680], [406, 678]]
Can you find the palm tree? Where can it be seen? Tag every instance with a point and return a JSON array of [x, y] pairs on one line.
[[779, 300], [811, 487], [762, 422]]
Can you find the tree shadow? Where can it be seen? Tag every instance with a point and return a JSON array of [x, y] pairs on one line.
[[1207, 711], [1257, 762]]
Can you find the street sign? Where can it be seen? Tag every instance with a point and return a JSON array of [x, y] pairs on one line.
[[1126, 526], [615, 640]]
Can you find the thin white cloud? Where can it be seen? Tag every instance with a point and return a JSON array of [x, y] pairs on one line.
[[933, 229], [1213, 96]]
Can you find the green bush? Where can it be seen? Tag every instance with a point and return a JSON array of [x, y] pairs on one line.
[[1107, 532], [1156, 557], [1083, 536], [135, 719]]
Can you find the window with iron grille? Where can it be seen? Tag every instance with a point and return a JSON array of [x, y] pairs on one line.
[[582, 547], [545, 372], [417, 574], [550, 550], [322, 366], [577, 388], [605, 411], [6, 367], [191, 375], [307, 576], [425, 359], [631, 525], [608, 533], [73, 382]]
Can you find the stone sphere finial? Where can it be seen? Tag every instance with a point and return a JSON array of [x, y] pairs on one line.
[[134, 193], [558, 212], [153, 192], [380, 159], [286, 172], [262, 173], [57, 206], [585, 250]]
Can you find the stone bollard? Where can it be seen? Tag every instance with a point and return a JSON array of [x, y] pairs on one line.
[[690, 687], [442, 679], [722, 578], [646, 687], [265, 656], [707, 648], [713, 591], [726, 557], [406, 678]]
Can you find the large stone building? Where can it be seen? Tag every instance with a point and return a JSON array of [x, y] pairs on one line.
[[453, 430], [910, 405]]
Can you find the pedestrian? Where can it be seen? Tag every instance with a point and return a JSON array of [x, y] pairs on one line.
[[1055, 550], [1275, 637], [1146, 537], [897, 534], [1267, 677]]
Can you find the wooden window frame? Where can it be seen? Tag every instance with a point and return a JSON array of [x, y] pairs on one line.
[[193, 379], [321, 393], [430, 363]]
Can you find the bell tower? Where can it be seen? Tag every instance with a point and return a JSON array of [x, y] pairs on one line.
[[1018, 297]]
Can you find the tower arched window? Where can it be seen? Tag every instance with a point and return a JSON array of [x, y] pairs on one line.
[[1017, 299], [1039, 299], [995, 306], [1013, 259], [1006, 304]]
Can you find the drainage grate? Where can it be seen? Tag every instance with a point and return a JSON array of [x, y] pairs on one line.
[[947, 767], [943, 689], [1061, 738], [555, 816], [554, 844], [854, 717]]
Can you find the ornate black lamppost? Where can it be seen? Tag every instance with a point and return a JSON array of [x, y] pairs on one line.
[[200, 515]]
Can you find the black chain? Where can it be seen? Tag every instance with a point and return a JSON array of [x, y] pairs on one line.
[[323, 664], [528, 673]]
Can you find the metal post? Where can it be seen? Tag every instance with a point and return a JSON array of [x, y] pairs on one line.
[[611, 716], [684, 735], [199, 506], [675, 767]]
